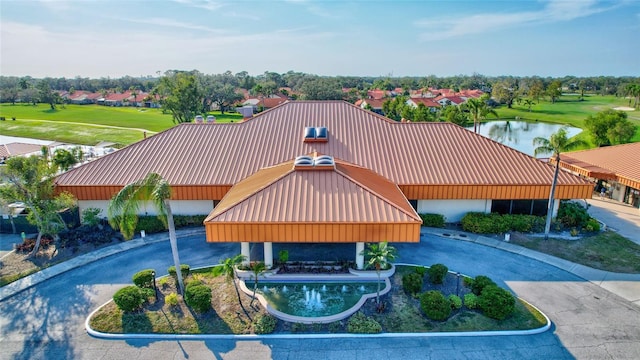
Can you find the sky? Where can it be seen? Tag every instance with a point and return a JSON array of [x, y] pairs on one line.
[[95, 38]]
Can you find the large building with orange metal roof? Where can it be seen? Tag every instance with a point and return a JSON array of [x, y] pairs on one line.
[[327, 171]]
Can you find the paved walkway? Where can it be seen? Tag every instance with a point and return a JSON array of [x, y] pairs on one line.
[[620, 217], [44, 319]]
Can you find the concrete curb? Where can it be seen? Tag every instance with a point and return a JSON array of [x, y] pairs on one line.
[[27, 282]]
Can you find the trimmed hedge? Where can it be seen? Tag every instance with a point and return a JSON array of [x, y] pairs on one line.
[[479, 283], [152, 224], [359, 323], [496, 302], [494, 223], [264, 324], [437, 273], [185, 270], [432, 220], [435, 305], [129, 298], [144, 278], [412, 283], [198, 297], [572, 214], [470, 300], [455, 301]]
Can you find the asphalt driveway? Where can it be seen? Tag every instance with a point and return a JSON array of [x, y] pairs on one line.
[[47, 320]]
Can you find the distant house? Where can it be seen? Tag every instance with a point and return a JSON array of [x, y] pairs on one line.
[[429, 103], [264, 103], [374, 105], [449, 100]]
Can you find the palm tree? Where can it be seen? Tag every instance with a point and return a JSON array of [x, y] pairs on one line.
[[228, 269], [124, 206], [379, 257], [479, 110], [257, 269], [557, 143]]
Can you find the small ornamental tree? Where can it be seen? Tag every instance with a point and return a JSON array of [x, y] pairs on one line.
[[437, 273], [129, 298], [435, 305], [496, 302]]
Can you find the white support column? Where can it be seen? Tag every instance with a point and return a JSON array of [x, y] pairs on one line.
[[246, 252], [360, 255], [268, 255]]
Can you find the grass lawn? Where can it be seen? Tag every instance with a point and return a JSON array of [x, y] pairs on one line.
[[570, 110], [89, 124], [606, 251], [226, 316]]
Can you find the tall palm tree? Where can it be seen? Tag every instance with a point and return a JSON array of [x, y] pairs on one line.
[[379, 257], [124, 206], [228, 269], [478, 110], [557, 143]]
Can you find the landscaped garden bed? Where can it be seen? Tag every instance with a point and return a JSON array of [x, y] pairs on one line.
[[226, 315]]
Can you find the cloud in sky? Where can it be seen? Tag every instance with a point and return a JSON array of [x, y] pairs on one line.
[[553, 11], [202, 4]]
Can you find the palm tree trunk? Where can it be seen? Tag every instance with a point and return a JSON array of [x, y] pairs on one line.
[[378, 293], [547, 226], [174, 247], [240, 299]]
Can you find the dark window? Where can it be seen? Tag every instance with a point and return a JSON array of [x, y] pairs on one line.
[[414, 204], [500, 206], [521, 207], [321, 133], [309, 133], [540, 207]]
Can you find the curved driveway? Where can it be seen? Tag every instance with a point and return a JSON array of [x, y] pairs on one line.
[[46, 321]]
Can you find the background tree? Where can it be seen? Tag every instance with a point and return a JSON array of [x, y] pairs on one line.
[[505, 92], [30, 181], [478, 110], [225, 96], [322, 89], [227, 268], [379, 257], [9, 95], [633, 92], [125, 205], [609, 127], [455, 114], [181, 95], [556, 144], [554, 90], [528, 103], [64, 159], [134, 92], [46, 95]]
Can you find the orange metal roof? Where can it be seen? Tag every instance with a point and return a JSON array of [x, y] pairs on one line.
[[621, 160], [404, 153], [281, 194]]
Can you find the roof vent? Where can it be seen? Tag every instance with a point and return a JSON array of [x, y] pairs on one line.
[[322, 162], [316, 134], [304, 161]]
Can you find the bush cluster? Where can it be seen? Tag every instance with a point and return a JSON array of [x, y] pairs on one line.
[[412, 283], [435, 305], [171, 299], [494, 223], [152, 224], [592, 225], [144, 278], [129, 298], [455, 301], [198, 296], [432, 220], [437, 273], [479, 283], [420, 270], [572, 214], [89, 234], [28, 244], [496, 302], [470, 300], [264, 324], [359, 323], [185, 270]]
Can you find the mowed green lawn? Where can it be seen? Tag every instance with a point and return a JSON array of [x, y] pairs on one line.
[[88, 124], [570, 110]]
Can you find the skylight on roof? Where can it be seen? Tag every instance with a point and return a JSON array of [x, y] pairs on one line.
[[316, 134], [322, 162]]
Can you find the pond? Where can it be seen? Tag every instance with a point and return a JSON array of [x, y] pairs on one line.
[[519, 134], [314, 299]]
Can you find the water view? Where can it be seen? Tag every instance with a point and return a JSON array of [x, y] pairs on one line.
[[519, 134], [314, 299]]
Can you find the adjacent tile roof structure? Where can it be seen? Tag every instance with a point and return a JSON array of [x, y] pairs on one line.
[[15, 149], [620, 162], [404, 153]]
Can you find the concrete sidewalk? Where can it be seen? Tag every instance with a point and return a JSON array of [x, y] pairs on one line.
[[626, 286]]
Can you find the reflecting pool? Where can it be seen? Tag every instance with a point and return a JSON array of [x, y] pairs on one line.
[[519, 134]]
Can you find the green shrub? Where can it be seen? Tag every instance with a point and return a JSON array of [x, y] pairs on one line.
[[432, 220], [592, 225], [479, 283], [435, 305], [152, 224], [264, 324], [144, 278], [437, 273], [198, 297], [334, 327], [412, 283], [90, 216], [572, 214], [185, 270], [467, 281], [193, 282], [283, 256], [470, 300], [455, 301], [181, 221], [420, 270], [496, 302], [163, 281], [494, 223], [359, 323], [129, 298], [171, 299]]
